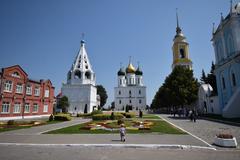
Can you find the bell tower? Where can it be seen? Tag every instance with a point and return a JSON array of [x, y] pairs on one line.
[[180, 49]]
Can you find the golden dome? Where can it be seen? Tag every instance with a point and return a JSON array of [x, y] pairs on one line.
[[130, 68]]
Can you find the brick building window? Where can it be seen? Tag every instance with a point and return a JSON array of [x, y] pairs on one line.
[[8, 86], [19, 88], [17, 108], [29, 90], [27, 108], [45, 108], [37, 91], [46, 94], [5, 107], [35, 108]]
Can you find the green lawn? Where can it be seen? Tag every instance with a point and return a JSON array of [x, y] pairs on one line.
[[4, 127], [159, 126], [150, 116]]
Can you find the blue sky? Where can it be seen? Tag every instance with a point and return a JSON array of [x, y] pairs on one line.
[[43, 36]]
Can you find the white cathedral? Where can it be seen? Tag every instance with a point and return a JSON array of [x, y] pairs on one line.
[[80, 87], [130, 90]]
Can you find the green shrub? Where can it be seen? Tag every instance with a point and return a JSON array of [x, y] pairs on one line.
[[84, 115], [112, 116], [101, 117], [51, 117], [62, 117], [130, 115], [11, 122], [107, 116], [96, 112], [120, 121], [118, 116]]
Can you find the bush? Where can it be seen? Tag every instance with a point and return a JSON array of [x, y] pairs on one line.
[[112, 116], [51, 117], [107, 117], [130, 115], [11, 122], [62, 117], [96, 112], [101, 117], [120, 121], [84, 115], [118, 116]]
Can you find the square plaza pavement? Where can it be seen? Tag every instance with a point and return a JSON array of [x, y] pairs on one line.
[[34, 136]]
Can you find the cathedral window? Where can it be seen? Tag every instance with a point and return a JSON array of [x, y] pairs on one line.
[[86, 66], [139, 91], [130, 92], [140, 101], [77, 74], [119, 92], [130, 101], [120, 101]]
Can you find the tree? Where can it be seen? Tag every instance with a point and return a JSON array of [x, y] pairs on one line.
[[203, 77], [179, 88], [112, 106], [103, 95], [210, 79], [64, 104]]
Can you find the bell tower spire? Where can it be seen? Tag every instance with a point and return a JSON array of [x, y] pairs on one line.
[[180, 48], [178, 29], [81, 71]]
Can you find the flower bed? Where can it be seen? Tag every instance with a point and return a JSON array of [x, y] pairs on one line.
[[225, 140]]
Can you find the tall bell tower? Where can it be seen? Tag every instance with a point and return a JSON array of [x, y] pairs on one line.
[[180, 49]]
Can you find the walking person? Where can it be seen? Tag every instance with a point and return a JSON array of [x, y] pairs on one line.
[[194, 115], [122, 132]]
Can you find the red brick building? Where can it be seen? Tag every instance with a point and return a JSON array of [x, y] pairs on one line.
[[21, 97]]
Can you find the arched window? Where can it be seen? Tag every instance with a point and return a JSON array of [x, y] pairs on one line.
[[88, 75], [119, 92], [120, 101], [182, 53], [139, 91], [130, 92], [233, 79], [77, 74]]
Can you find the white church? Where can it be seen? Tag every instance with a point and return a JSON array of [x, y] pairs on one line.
[[130, 90], [80, 87]]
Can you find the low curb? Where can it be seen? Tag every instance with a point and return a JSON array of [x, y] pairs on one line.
[[144, 146]]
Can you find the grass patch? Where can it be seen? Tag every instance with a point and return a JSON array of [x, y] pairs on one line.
[[24, 124], [150, 116], [158, 126]]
